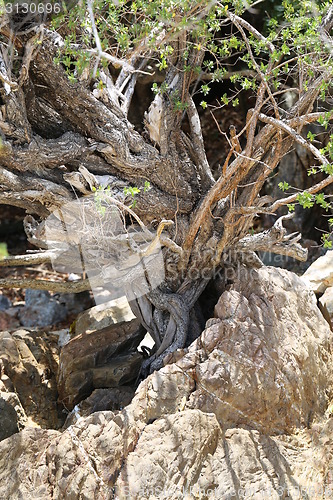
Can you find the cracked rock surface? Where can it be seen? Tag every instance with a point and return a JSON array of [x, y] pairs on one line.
[[243, 412]]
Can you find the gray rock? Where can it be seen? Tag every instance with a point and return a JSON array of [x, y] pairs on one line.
[[5, 303], [75, 302], [41, 309]]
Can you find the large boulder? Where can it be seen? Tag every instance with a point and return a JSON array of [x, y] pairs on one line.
[[266, 359], [319, 275], [187, 454]]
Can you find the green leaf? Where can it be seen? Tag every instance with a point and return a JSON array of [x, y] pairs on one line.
[[311, 136], [205, 89], [283, 186]]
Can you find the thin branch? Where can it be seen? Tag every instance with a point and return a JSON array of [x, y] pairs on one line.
[[290, 199], [98, 50], [298, 138], [198, 143], [308, 118], [29, 259], [52, 286], [236, 19], [115, 61]]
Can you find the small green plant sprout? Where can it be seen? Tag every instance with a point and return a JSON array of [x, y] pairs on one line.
[[133, 191], [147, 186], [100, 198], [305, 199], [327, 242], [283, 186]]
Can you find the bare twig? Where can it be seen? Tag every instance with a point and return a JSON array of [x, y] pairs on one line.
[[99, 51], [198, 143], [298, 138]]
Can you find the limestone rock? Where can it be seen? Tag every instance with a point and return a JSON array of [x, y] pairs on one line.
[[327, 301], [266, 359], [28, 364], [103, 315], [100, 359], [183, 455], [239, 414], [319, 276], [268, 362]]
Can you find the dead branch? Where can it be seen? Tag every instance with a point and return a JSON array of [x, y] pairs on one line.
[[275, 240], [27, 260], [51, 286]]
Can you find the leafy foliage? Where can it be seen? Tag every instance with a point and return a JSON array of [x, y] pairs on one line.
[[287, 56]]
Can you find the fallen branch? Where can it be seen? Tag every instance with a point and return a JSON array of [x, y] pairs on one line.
[[51, 286], [25, 260]]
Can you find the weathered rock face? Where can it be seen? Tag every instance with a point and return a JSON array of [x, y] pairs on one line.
[[327, 301], [266, 361], [28, 367], [183, 455], [218, 422], [319, 276], [104, 358]]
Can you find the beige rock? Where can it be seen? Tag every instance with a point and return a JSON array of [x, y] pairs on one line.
[[268, 363], [183, 455], [103, 315], [327, 301], [227, 420], [319, 275], [29, 361]]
